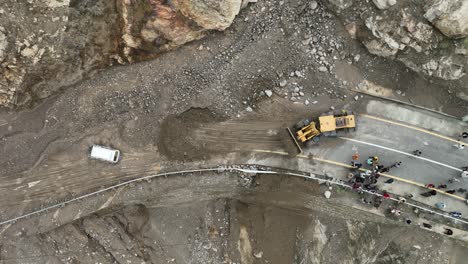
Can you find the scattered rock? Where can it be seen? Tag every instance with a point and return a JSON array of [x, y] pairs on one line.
[[327, 194], [444, 68], [351, 28], [268, 93], [3, 45], [283, 83], [356, 97], [313, 5], [258, 254], [306, 102], [342, 4], [357, 57], [322, 69], [248, 109]]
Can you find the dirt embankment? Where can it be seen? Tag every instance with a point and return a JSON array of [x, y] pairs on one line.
[[272, 220]]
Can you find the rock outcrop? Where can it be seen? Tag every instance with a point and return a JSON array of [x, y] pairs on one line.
[[70, 39], [400, 30], [449, 16]]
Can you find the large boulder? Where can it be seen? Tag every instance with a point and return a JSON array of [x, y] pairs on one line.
[[171, 24], [384, 4], [449, 16], [210, 14]]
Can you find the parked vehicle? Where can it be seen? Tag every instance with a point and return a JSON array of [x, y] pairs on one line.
[[104, 154]]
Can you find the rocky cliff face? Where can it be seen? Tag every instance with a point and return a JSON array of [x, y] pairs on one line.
[[427, 36], [49, 44]]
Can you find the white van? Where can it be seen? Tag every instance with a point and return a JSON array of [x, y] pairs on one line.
[[104, 154]]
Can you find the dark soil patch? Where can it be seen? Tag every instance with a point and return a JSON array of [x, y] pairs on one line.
[[176, 140]]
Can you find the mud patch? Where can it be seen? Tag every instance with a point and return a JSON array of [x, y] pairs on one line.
[[177, 140]]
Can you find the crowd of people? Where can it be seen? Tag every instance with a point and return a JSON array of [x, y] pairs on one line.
[[365, 179]]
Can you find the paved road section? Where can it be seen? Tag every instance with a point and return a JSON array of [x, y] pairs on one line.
[[440, 160]]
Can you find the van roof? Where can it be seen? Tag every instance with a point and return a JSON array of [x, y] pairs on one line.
[[103, 153]]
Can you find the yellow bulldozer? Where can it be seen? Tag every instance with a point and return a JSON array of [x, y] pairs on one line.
[[333, 123]]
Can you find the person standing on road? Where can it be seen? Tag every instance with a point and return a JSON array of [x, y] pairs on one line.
[[417, 153], [464, 174], [464, 135], [442, 186], [426, 225], [459, 146], [455, 214], [430, 185], [448, 231], [453, 180], [429, 193], [396, 164]]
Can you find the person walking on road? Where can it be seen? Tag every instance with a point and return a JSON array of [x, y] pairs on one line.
[[417, 153]]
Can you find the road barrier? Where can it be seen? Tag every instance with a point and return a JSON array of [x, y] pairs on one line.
[[244, 168]]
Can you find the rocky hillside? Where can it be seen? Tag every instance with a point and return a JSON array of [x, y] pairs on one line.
[[228, 231], [428, 36], [49, 44]]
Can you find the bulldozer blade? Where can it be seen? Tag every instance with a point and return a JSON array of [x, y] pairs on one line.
[[292, 149]]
